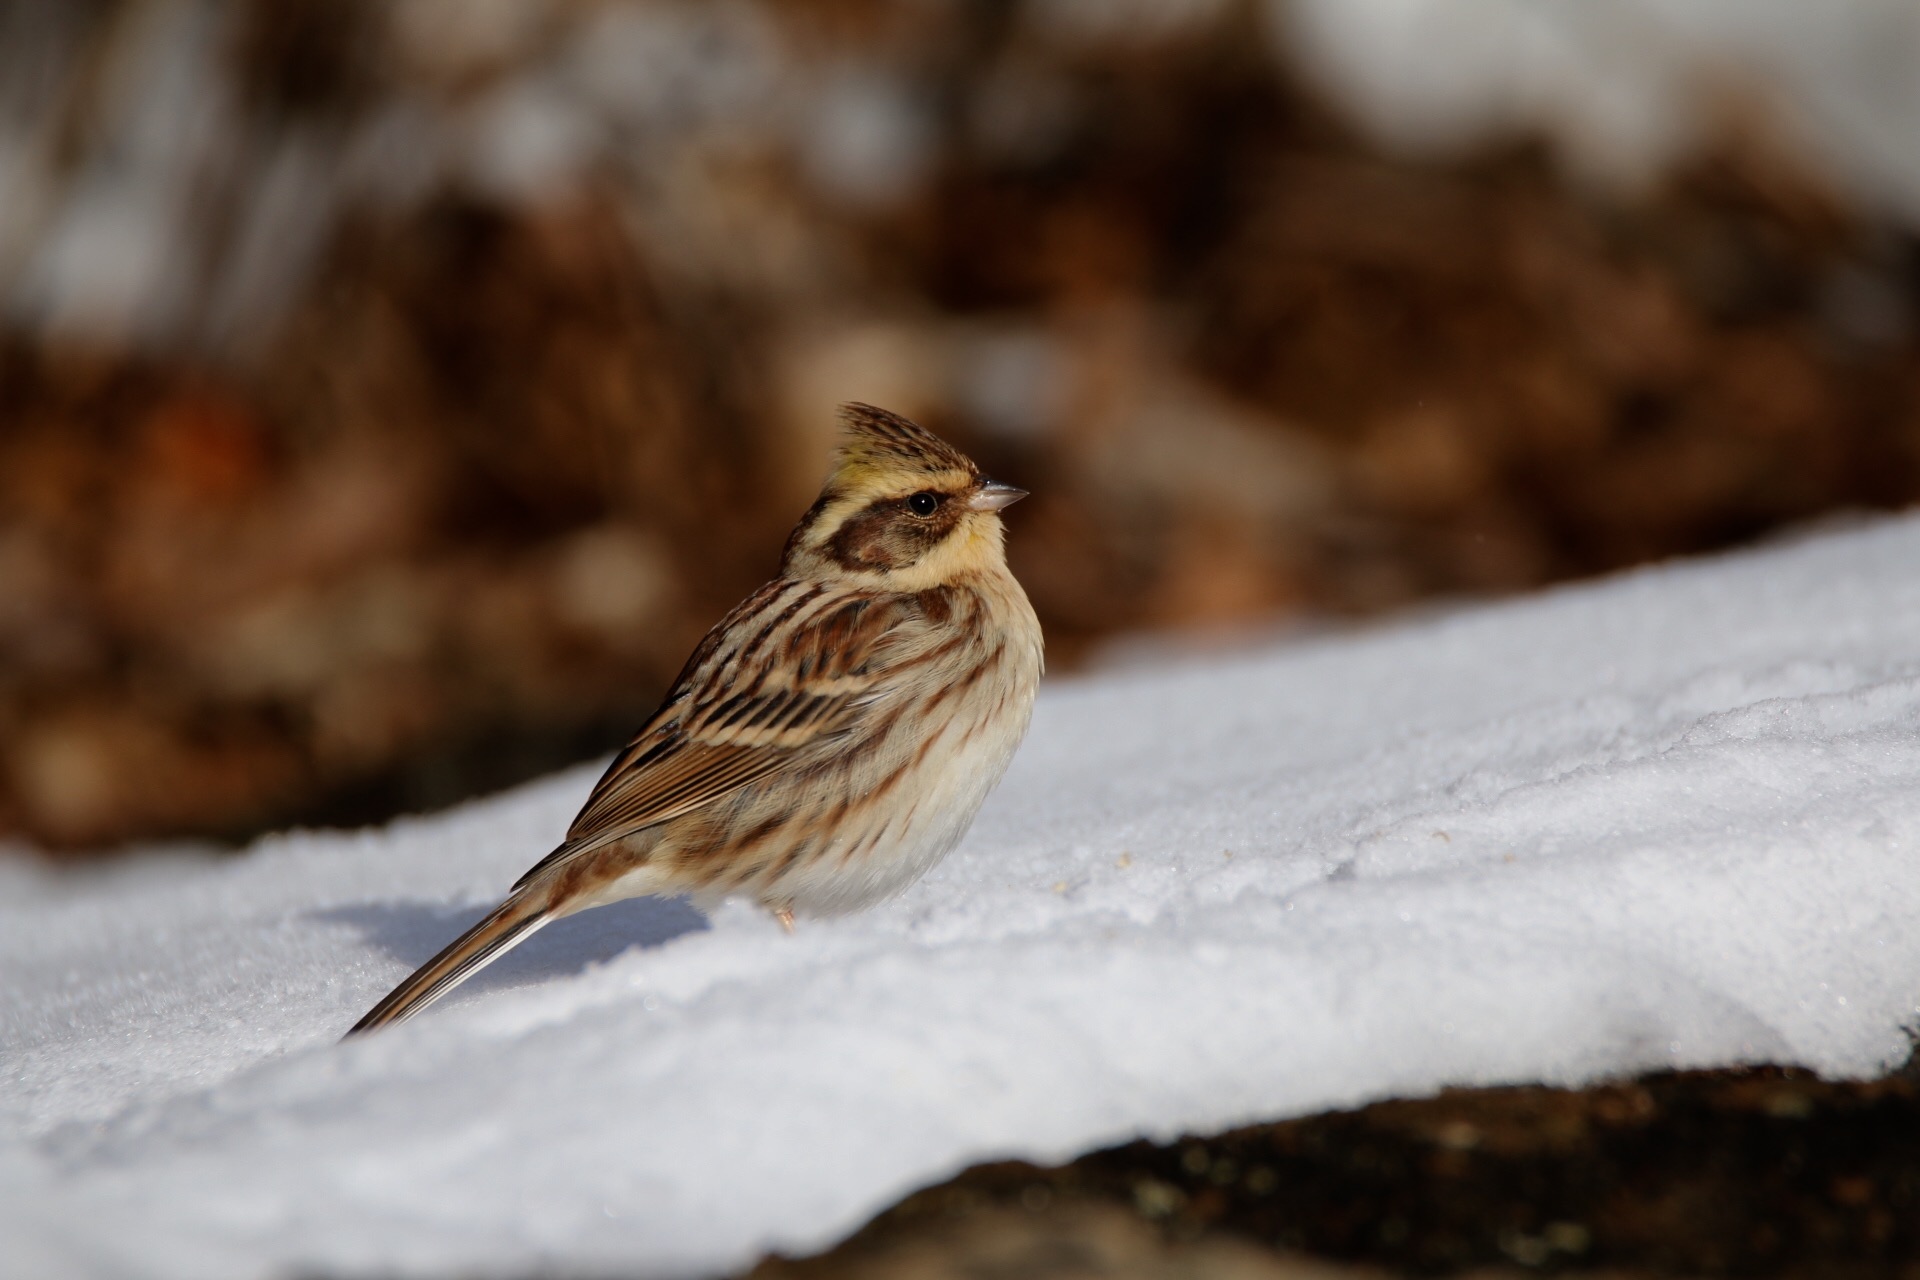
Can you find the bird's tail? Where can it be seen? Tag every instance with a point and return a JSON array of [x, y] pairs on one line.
[[505, 927]]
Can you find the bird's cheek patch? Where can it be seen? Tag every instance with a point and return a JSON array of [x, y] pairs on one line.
[[886, 536], [863, 542]]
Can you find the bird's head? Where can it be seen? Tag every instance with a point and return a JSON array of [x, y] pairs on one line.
[[903, 510]]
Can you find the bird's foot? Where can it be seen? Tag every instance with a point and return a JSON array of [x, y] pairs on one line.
[[785, 916]]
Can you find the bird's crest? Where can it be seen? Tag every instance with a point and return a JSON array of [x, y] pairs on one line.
[[881, 448]]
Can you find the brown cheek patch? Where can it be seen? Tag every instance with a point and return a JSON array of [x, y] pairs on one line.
[[887, 536], [861, 543]]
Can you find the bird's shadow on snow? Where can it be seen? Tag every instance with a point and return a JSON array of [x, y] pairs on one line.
[[414, 932]]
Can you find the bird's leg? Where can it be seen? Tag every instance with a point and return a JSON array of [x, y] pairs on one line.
[[785, 916]]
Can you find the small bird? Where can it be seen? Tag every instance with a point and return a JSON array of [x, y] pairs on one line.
[[832, 738]]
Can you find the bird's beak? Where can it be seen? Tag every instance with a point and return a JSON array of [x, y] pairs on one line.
[[992, 495]]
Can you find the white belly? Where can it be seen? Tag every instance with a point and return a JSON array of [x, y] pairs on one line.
[[934, 809]]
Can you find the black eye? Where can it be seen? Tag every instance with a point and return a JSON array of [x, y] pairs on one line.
[[923, 504]]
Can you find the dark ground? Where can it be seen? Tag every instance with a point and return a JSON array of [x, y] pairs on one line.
[[1761, 1172]]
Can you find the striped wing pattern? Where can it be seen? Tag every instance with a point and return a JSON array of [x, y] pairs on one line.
[[790, 674]]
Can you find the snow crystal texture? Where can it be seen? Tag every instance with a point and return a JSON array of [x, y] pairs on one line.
[[1665, 820]]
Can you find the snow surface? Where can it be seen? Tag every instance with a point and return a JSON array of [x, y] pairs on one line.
[[1665, 820]]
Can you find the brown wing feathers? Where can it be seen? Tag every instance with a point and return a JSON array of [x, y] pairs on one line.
[[710, 738]]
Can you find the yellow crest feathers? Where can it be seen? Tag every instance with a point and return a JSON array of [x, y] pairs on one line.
[[881, 443]]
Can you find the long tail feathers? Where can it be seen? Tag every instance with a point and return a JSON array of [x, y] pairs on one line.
[[505, 927]]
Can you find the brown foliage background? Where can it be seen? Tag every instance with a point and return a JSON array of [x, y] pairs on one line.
[[490, 358]]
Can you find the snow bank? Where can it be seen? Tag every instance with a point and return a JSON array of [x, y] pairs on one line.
[[1666, 820]]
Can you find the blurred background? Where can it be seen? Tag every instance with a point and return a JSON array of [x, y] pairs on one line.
[[392, 393]]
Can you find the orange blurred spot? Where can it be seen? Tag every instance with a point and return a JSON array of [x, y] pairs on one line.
[[206, 444]]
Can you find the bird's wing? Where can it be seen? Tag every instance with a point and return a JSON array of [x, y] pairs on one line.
[[794, 666]]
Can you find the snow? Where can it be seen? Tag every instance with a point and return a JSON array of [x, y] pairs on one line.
[[1664, 820]]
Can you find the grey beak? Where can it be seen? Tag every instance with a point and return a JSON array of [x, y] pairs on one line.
[[993, 495]]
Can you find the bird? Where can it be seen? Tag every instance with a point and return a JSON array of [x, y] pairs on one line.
[[831, 738]]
